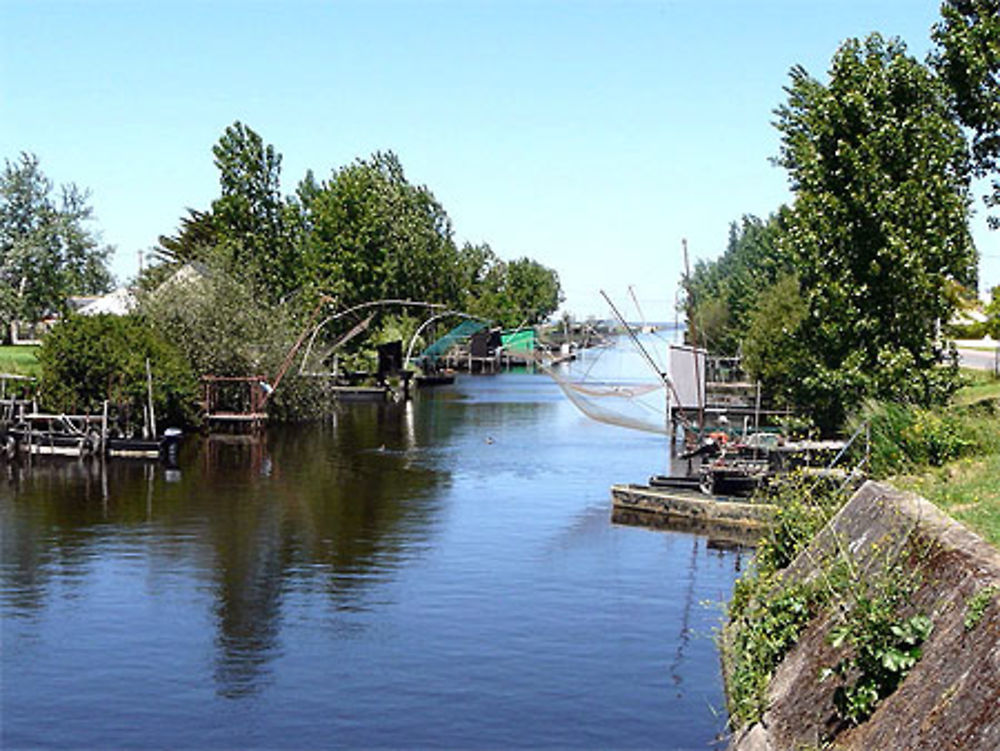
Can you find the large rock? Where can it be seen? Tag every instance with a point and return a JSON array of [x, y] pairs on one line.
[[951, 697]]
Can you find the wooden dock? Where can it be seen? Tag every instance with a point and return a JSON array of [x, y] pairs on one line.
[[652, 505]]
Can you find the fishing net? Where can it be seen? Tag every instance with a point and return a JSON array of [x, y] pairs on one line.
[[608, 394]]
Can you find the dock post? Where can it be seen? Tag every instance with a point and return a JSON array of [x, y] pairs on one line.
[[104, 428]]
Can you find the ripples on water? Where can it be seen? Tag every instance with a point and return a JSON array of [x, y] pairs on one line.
[[441, 574]]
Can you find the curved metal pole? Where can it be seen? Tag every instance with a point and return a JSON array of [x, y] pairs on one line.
[[425, 324], [354, 309]]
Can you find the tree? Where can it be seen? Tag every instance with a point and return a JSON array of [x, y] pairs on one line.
[[879, 226], [225, 326], [721, 294], [372, 235], [46, 251], [251, 219], [518, 293], [772, 351], [968, 59]]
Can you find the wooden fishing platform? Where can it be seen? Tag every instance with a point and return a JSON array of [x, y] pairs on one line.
[[659, 504]]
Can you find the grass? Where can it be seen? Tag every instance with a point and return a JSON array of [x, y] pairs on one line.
[[20, 360], [968, 489], [980, 385]]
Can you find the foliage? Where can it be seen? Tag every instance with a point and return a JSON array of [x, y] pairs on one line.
[[767, 613], [251, 219], [194, 240], [86, 360], [883, 645], [902, 437], [772, 351], [878, 228], [765, 627], [46, 251], [519, 293], [968, 59], [804, 505], [722, 294], [993, 313], [373, 235], [977, 606], [223, 326]]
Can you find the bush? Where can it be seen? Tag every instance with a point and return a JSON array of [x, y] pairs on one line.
[[903, 437], [89, 359], [224, 326]]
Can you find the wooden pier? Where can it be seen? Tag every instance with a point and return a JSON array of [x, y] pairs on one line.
[[658, 505]]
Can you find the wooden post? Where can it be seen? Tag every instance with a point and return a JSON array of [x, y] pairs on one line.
[[149, 391], [694, 343], [104, 428]]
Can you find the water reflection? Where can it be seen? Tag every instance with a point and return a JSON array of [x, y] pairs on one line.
[[335, 506], [435, 574]]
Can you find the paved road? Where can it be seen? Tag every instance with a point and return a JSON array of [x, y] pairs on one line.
[[979, 359]]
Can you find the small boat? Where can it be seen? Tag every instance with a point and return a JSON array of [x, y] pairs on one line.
[[164, 447]]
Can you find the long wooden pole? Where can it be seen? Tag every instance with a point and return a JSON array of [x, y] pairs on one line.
[[149, 394]]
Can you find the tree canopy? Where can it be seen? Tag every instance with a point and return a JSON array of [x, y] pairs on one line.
[[364, 233], [841, 295], [47, 252], [879, 224], [968, 59], [372, 234]]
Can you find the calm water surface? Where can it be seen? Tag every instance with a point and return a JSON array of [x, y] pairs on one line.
[[439, 574]]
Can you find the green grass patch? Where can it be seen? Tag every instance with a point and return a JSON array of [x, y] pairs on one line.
[[979, 385], [20, 359], [967, 489]]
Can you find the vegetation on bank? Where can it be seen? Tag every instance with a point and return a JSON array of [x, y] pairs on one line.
[[966, 484], [949, 455], [19, 360], [877, 635], [257, 266], [839, 297]]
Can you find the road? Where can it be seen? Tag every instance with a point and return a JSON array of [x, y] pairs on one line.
[[976, 358]]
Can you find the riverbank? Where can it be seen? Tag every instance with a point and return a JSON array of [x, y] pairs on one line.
[[968, 488], [858, 612], [904, 655]]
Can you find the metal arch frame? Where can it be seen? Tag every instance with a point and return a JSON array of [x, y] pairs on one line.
[[379, 304], [435, 317]]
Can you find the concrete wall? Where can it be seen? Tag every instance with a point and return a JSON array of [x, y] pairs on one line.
[[951, 698]]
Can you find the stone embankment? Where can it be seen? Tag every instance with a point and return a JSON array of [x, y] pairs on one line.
[[951, 698]]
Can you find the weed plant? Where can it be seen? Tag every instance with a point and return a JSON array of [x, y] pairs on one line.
[[769, 611]]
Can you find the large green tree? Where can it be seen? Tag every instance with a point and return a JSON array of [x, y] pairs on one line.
[[47, 251], [878, 228], [968, 59], [372, 234], [251, 218], [721, 294]]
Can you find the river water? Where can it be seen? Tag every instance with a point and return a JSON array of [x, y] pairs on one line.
[[437, 574]]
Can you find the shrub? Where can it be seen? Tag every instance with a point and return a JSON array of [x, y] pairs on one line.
[[902, 436], [89, 359]]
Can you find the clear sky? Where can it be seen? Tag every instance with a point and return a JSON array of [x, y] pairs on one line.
[[591, 136]]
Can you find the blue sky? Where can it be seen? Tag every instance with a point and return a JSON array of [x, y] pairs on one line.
[[591, 136]]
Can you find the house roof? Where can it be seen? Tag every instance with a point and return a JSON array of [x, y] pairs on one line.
[[119, 302]]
